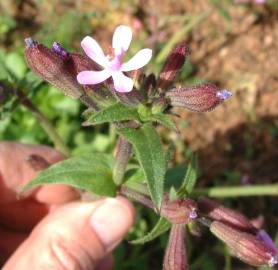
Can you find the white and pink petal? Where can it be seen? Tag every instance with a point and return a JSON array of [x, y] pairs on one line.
[[122, 83], [121, 39], [139, 60], [94, 51], [93, 77]]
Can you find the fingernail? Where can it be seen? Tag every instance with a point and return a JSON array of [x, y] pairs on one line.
[[111, 221]]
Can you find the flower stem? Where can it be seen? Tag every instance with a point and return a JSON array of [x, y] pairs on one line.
[[237, 191]]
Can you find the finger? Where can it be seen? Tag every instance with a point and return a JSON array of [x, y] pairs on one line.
[[15, 171], [56, 194], [75, 236]]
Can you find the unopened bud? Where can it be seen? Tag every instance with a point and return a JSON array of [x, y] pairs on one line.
[[123, 153], [245, 246], [178, 211], [200, 98], [172, 66], [175, 255], [53, 68], [216, 211]]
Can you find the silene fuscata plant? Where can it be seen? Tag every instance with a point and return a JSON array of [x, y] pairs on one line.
[[119, 93]]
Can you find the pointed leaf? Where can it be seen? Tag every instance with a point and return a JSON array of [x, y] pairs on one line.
[[148, 150], [92, 172], [165, 120], [162, 226], [190, 178], [113, 113]]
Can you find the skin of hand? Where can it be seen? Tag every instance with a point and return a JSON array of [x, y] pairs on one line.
[[49, 228]]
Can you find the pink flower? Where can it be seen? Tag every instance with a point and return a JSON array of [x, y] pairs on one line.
[[113, 66]]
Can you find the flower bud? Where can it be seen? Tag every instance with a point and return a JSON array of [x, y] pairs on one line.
[[179, 210], [200, 98], [175, 255], [53, 68], [172, 66], [245, 246], [123, 153], [216, 211]]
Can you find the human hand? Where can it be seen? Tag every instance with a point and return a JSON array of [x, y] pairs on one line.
[[45, 229]]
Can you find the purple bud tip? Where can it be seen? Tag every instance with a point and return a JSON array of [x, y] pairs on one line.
[[58, 49], [224, 94], [193, 215], [30, 42], [264, 237]]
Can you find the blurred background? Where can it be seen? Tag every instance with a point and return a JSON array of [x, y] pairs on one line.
[[233, 44]]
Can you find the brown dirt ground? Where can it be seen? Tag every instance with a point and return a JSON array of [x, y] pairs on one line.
[[239, 55]]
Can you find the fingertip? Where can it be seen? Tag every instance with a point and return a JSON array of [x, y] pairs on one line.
[[112, 220]]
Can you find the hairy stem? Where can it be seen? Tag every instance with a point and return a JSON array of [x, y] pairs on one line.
[[237, 191], [223, 192]]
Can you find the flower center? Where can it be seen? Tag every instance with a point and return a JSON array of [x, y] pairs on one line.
[[116, 63]]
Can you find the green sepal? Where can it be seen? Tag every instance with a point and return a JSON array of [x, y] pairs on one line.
[[162, 226], [114, 113]]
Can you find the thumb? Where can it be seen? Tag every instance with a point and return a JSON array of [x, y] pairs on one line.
[[75, 236]]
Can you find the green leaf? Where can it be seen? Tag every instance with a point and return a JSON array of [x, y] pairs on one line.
[[190, 178], [113, 113], [165, 120], [16, 64], [92, 172], [162, 226], [148, 150]]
